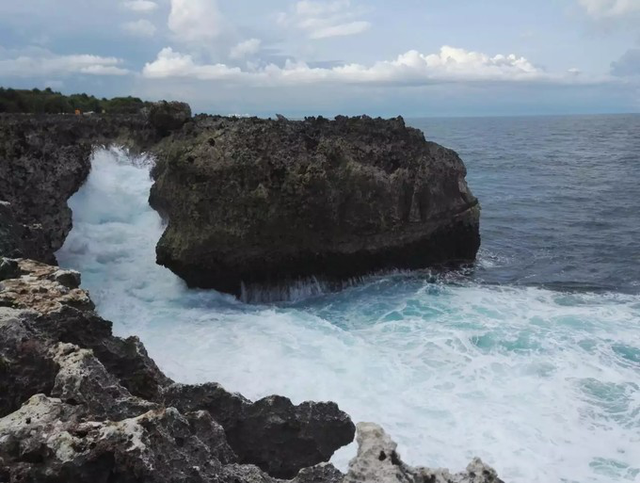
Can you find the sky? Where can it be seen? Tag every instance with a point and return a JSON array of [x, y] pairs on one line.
[[306, 57]]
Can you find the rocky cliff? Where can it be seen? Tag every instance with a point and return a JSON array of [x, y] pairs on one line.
[[266, 202]]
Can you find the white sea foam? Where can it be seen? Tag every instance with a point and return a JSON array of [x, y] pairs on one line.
[[543, 385]]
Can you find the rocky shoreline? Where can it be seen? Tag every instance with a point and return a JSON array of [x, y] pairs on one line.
[[79, 404]]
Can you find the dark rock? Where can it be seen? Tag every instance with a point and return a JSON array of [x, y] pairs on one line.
[[272, 433], [11, 233], [9, 268], [25, 366], [271, 201], [41, 165], [322, 473], [169, 116]]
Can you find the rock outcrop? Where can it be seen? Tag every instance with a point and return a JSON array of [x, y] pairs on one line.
[[78, 404], [263, 202]]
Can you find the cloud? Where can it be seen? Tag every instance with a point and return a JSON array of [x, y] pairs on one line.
[[340, 30], [409, 69], [627, 65], [195, 21], [607, 9], [245, 49], [44, 63], [140, 28], [140, 6], [324, 19]]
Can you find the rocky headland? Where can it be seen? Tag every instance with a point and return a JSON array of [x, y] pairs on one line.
[[78, 404], [268, 202]]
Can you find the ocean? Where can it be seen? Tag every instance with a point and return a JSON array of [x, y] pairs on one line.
[[530, 359]]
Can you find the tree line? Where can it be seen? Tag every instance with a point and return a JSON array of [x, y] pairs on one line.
[[47, 101]]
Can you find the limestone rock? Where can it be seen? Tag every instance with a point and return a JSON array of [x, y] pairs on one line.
[[262, 202], [378, 461]]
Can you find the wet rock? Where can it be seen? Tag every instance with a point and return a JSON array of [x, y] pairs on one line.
[[271, 433], [169, 116], [262, 202], [378, 461]]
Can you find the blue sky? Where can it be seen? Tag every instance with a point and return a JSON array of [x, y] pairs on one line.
[[303, 57]]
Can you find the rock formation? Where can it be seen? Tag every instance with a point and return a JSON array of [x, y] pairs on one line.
[[78, 404], [263, 202]]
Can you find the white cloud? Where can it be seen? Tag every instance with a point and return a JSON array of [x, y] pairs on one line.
[[340, 30], [140, 28], [245, 49], [195, 21], [323, 19], [411, 68], [47, 64], [140, 6], [173, 64], [607, 9]]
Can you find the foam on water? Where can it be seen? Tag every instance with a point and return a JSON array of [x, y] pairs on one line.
[[543, 385]]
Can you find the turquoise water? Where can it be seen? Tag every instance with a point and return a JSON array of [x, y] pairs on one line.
[[536, 370]]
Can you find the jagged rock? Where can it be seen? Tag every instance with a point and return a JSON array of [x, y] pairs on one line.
[[378, 461], [83, 380], [50, 311], [272, 433], [25, 366], [47, 441], [266, 201], [169, 116]]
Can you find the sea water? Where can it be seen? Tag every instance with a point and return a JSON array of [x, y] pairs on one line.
[[530, 360]]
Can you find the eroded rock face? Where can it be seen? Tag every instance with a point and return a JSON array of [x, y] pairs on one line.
[[260, 202]]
